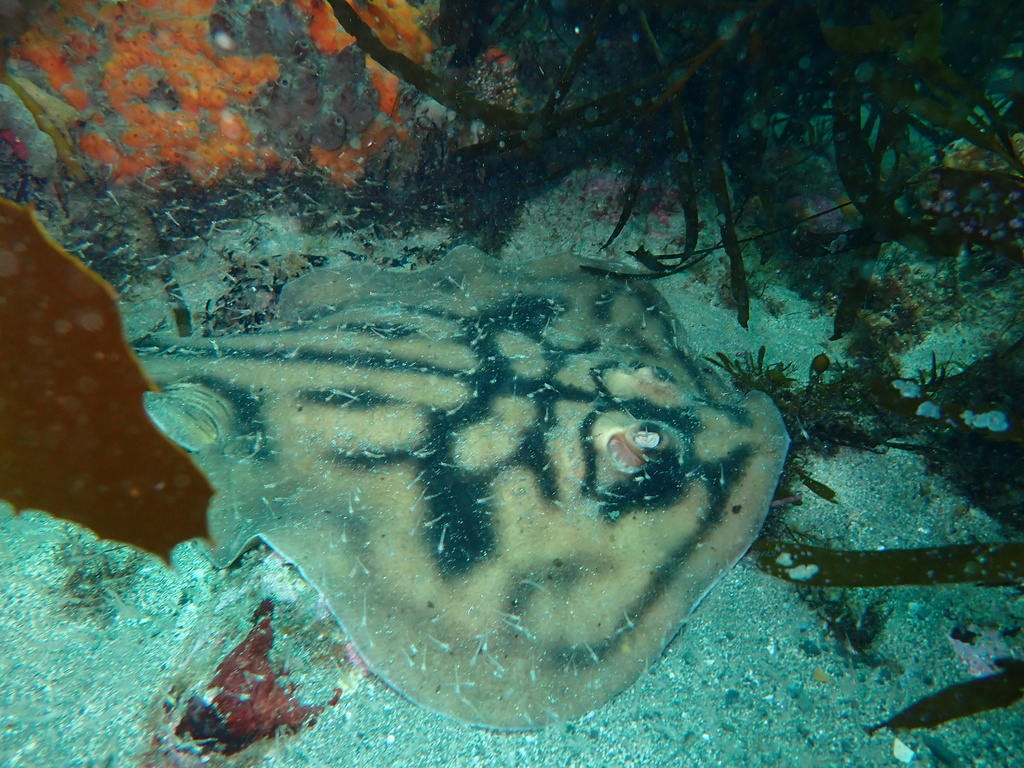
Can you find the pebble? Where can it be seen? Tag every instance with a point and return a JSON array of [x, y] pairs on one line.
[[901, 751]]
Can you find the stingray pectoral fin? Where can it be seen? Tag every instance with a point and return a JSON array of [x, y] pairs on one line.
[[755, 426]]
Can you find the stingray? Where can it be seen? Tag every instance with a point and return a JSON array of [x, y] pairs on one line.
[[511, 486]]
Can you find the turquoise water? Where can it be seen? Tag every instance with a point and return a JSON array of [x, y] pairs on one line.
[[820, 202]]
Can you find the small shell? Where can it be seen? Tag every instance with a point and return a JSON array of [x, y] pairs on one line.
[[191, 415]]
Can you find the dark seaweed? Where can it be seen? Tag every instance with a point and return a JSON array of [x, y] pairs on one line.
[[990, 564], [973, 697], [875, 79]]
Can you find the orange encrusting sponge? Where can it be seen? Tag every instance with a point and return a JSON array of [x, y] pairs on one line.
[[169, 49], [324, 30], [169, 98], [397, 25]]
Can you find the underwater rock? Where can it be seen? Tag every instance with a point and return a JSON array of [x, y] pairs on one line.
[[512, 487]]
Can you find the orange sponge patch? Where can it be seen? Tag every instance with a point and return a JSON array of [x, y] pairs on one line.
[[76, 97], [100, 149], [324, 30], [397, 25], [387, 89], [161, 92], [171, 54], [47, 59], [346, 166]]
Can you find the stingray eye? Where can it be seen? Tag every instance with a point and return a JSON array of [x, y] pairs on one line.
[[646, 439], [650, 439], [631, 447]]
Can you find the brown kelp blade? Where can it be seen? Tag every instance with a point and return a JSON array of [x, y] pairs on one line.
[[75, 440], [990, 564], [996, 564], [973, 697]]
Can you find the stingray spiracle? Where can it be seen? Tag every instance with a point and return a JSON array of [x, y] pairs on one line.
[[632, 447]]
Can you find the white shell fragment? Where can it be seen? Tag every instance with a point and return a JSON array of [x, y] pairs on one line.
[[902, 752], [511, 488]]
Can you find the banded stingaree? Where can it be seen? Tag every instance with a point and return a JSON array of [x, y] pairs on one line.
[[511, 487]]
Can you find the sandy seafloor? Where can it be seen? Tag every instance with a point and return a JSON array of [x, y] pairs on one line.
[[100, 646]]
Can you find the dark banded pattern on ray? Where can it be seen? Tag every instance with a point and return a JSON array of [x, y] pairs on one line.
[[511, 486]]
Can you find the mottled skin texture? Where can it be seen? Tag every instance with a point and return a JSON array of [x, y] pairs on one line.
[[512, 487]]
